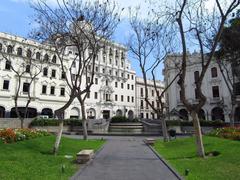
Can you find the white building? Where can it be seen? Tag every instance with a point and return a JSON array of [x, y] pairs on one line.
[[218, 104], [142, 108], [113, 93]]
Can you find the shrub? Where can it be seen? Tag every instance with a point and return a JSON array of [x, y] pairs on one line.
[[119, 119], [12, 135], [55, 122], [8, 135], [227, 132], [190, 123]]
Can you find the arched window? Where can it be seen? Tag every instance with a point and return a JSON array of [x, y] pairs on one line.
[[0, 47], [54, 59], [19, 51], [183, 114], [29, 53], [9, 49], [46, 57], [38, 55], [214, 72], [217, 114]]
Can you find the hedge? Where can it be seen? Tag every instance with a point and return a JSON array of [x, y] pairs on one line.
[[55, 122], [190, 123], [122, 119]]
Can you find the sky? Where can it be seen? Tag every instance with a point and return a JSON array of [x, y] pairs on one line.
[[16, 17]]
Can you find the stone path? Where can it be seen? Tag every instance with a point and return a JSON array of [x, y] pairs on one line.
[[125, 158]]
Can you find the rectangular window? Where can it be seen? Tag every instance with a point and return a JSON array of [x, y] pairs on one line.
[[122, 86], [27, 70], [62, 92], [236, 88], [116, 97], [26, 87], [88, 79], [146, 105], [116, 84], [147, 115], [152, 103], [95, 95], [215, 91], [132, 77], [53, 73], [88, 95], [128, 99], [196, 76], [122, 98], [63, 75], [141, 92], [52, 92], [214, 72], [132, 99], [142, 115], [44, 89], [96, 80], [8, 65], [45, 71], [132, 87], [196, 94], [153, 93], [5, 84], [128, 86], [141, 106]]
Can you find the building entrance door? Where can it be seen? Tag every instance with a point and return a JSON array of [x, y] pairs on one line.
[[106, 114]]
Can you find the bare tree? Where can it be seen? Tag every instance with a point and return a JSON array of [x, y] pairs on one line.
[[82, 27], [149, 44], [195, 21], [26, 69]]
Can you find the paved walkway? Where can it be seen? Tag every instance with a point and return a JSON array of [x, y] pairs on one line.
[[125, 158]]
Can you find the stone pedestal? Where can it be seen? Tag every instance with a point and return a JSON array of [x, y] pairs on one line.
[[84, 156]]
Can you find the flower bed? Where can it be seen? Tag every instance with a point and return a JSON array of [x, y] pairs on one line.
[[9, 135], [227, 132]]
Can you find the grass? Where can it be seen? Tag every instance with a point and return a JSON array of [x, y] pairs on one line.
[[181, 155], [32, 159]]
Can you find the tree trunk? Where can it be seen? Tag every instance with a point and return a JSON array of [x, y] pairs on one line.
[[198, 134], [22, 123], [59, 113], [164, 129], [58, 138], [84, 121]]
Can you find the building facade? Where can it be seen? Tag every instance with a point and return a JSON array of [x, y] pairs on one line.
[[143, 110], [218, 104], [113, 93]]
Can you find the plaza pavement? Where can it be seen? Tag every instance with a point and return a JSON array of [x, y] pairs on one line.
[[125, 158]]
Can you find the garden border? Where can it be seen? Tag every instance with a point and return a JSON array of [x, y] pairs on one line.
[[165, 162], [83, 166]]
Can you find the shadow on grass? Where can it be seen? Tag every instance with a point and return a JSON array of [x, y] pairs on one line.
[[48, 152]]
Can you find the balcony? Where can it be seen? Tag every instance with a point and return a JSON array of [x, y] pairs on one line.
[[215, 100]]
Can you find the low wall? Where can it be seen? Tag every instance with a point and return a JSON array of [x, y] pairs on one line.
[[52, 129], [14, 122]]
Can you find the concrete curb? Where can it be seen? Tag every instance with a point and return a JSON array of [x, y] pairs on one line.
[[83, 166], [165, 162]]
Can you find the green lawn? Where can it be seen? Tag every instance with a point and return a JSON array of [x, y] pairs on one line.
[[32, 159], [181, 154]]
